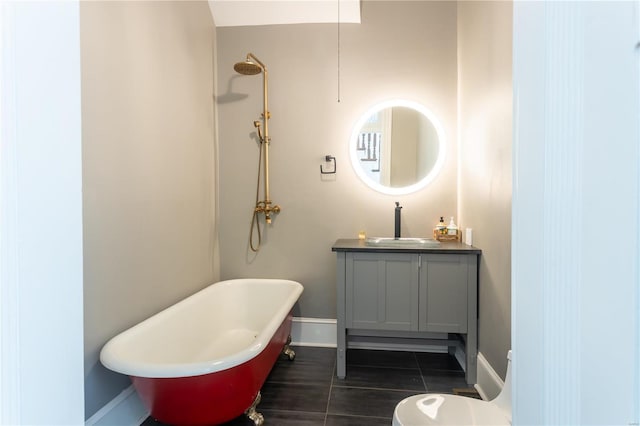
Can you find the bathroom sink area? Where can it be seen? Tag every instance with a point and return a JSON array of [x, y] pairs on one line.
[[403, 288], [402, 242]]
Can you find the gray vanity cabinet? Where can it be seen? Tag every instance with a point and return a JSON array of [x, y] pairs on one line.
[[406, 299], [382, 291]]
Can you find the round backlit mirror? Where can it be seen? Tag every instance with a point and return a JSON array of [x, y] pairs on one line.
[[397, 147]]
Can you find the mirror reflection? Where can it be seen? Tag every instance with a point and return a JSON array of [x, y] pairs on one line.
[[397, 147]]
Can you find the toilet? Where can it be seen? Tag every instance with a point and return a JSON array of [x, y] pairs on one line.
[[441, 409]]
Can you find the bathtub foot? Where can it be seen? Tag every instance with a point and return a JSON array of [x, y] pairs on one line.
[[254, 416], [290, 353]]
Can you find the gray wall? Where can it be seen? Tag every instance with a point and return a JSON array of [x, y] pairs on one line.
[[400, 50], [484, 55], [148, 168]]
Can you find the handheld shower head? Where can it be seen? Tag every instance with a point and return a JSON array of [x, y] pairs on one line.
[[256, 124]]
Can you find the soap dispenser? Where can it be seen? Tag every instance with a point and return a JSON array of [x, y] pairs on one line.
[[452, 228], [441, 228]]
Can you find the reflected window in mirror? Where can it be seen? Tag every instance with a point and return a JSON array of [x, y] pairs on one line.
[[397, 147]]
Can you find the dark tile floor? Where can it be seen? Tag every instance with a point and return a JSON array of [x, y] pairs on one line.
[[306, 392]]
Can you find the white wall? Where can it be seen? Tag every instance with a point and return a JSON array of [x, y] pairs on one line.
[[41, 378], [485, 123], [400, 50], [148, 168], [576, 169]]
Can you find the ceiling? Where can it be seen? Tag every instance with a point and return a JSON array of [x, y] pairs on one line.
[[230, 13]]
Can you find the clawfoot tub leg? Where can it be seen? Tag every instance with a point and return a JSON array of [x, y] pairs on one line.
[[257, 418], [290, 353]]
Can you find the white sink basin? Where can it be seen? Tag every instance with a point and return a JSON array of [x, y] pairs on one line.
[[402, 242]]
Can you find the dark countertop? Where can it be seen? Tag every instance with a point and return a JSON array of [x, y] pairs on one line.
[[452, 247]]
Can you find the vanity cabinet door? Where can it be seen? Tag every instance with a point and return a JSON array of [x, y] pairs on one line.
[[444, 281], [382, 291]]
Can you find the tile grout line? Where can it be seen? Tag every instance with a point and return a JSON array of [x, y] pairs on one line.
[[379, 388], [326, 413], [424, 383]]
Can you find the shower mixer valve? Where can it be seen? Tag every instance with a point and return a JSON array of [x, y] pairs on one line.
[[266, 208]]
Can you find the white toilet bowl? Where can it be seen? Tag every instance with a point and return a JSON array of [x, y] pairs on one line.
[[440, 409]]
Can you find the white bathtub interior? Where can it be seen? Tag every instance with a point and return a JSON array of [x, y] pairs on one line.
[[219, 327]]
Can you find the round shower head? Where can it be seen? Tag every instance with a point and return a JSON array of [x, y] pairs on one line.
[[247, 68]]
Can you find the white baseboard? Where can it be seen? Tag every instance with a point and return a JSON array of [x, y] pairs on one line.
[[126, 409], [489, 382], [318, 332]]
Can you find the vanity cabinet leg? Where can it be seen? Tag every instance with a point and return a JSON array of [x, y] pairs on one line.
[[471, 340], [341, 332], [341, 364], [341, 354], [471, 353]]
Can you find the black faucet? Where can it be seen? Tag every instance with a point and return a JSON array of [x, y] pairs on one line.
[[396, 234]]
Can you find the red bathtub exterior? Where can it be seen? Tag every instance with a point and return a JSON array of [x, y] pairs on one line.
[[214, 398]]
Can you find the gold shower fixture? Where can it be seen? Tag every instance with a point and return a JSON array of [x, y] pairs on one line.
[[252, 66]]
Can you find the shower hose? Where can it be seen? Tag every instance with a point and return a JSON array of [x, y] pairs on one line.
[[255, 223]]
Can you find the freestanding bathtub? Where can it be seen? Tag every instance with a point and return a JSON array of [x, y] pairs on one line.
[[203, 360]]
